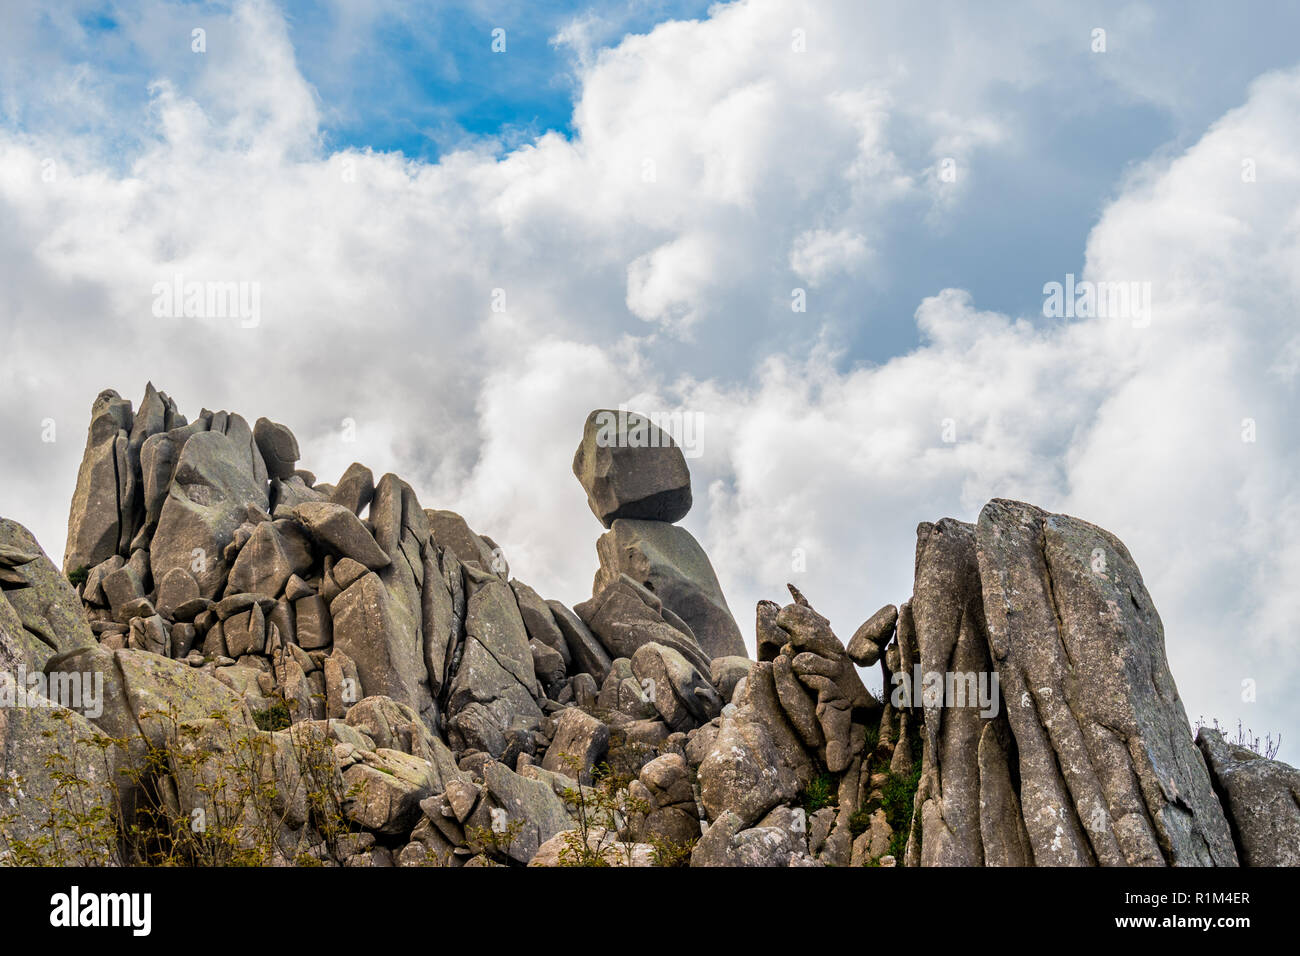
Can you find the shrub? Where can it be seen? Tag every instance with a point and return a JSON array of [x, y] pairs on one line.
[[275, 717], [860, 821], [602, 811], [205, 793], [496, 843], [898, 796], [666, 852], [1245, 737], [872, 741], [821, 792]]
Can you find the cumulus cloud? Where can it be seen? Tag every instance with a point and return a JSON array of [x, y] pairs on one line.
[[819, 253], [1172, 431], [455, 321]]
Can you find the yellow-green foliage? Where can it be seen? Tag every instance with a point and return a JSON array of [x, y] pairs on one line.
[[602, 812], [206, 793], [496, 843]]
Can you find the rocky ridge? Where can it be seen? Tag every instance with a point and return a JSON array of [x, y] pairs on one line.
[[466, 720]]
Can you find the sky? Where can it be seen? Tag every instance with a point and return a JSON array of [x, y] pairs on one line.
[[823, 231]]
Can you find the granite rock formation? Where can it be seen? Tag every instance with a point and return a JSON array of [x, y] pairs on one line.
[[1028, 714]]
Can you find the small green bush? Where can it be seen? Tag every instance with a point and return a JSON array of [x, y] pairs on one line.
[[899, 793], [275, 717], [872, 740], [603, 810], [819, 794], [78, 576], [670, 853], [860, 821]]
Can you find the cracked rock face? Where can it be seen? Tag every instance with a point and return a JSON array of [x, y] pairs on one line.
[[96, 517], [756, 762], [1108, 770], [40, 614], [495, 682], [1087, 758], [210, 493], [30, 736], [964, 791], [1262, 798]]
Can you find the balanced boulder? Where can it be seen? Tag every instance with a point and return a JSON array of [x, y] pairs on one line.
[[630, 468], [341, 531]]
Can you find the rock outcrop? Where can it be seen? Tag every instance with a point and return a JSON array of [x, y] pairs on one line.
[[40, 613], [1080, 754], [365, 682], [1261, 797], [1108, 772], [668, 561]]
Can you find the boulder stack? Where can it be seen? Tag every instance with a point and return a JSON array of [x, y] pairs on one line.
[[638, 484]]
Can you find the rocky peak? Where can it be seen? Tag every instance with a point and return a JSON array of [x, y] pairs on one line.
[[1028, 713]]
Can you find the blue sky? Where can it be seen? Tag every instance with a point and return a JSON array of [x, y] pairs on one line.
[[426, 77], [419, 78], [381, 173]]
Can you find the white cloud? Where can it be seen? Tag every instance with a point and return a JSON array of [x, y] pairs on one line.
[[1139, 429], [667, 284], [819, 253]]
